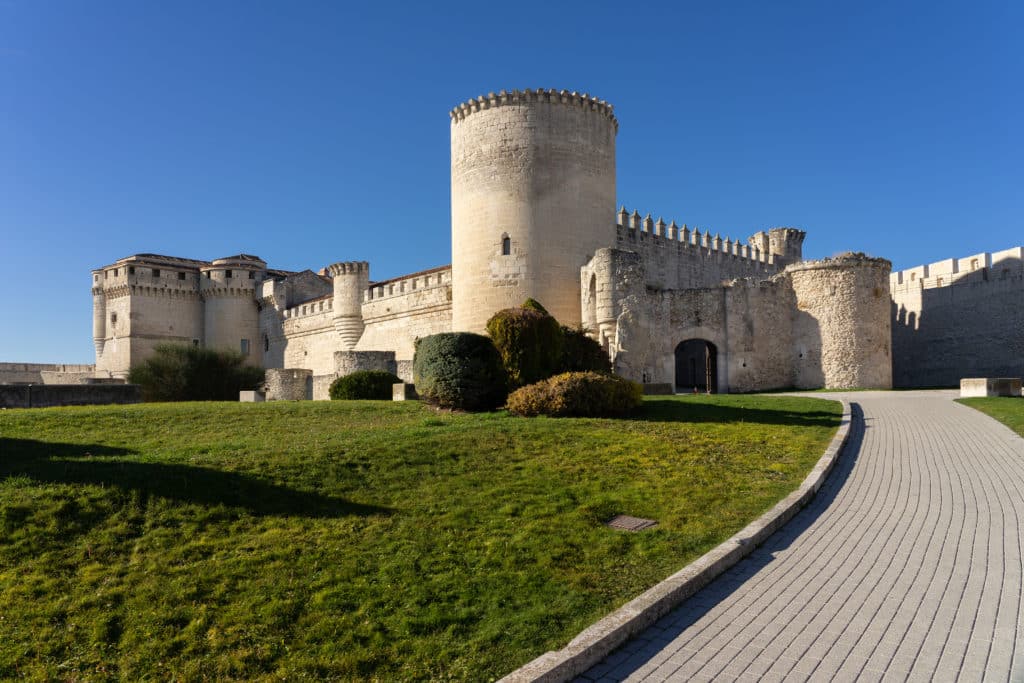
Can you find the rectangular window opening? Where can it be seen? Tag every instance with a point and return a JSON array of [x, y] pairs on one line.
[[245, 347], [181, 276], [227, 273], [156, 272]]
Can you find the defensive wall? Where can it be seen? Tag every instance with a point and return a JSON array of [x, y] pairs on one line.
[[52, 395], [959, 318], [816, 324], [45, 373]]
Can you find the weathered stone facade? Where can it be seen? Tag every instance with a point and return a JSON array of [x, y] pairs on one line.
[[533, 197]]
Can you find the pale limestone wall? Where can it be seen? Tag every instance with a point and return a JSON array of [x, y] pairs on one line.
[[677, 257], [230, 314], [959, 318], [44, 373], [759, 335], [347, 362], [289, 384], [538, 168], [350, 284], [842, 331], [310, 337], [398, 312]]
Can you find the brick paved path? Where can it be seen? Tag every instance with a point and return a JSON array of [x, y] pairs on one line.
[[906, 566]]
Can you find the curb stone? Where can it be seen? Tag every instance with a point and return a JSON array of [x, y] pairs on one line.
[[599, 639]]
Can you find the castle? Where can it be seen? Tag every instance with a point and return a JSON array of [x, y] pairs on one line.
[[533, 215]]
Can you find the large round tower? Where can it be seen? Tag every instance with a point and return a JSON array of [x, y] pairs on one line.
[[533, 197], [843, 334]]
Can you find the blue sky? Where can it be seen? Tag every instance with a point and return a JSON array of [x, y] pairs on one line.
[[313, 132]]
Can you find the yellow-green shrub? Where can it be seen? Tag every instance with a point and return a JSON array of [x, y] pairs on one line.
[[576, 394]]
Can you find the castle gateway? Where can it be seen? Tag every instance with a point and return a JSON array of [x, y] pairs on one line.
[[533, 215]]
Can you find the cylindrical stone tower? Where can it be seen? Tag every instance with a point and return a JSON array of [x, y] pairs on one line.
[[533, 197], [843, 332], [350, 282], [230, 316], [99, 313]]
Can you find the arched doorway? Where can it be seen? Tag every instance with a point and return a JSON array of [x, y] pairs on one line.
[[696, 366]]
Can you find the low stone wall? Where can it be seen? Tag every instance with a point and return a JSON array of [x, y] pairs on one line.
[[347, 362], [289, 384], [990, 386], [322, 387], [44, 373], [51, 395]]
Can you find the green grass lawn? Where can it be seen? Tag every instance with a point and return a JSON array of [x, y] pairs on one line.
[[360, 540], [1008, 410]]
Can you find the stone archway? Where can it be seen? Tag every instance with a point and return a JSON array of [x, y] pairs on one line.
[[696, 366]]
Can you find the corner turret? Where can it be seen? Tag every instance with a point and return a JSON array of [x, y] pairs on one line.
[[351, 278]]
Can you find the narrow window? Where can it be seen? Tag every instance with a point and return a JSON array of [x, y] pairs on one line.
[[113, 318], [266, 343], [245, 347], [95, 278], [115, 272], [181, 276], [506, 245], [974, 264], [156, 272], [131, 270], [227, 273], [938, 282], [252, 275], [207, 274], [913, 276]]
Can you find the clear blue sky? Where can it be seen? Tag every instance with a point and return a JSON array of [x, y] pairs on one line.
[[312, 132]]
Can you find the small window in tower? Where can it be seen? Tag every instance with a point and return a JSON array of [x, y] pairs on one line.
[[131, 270], [266, 343], [207, 274], [156, 272], [245, 347], [252, 274], [115, 272], [113, 318], [181, 276], [913, 276], [938, 281], [227, 273], [506, 245]]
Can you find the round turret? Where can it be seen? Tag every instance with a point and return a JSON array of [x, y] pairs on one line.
[[843, 334], [351, 279], [228, 287], [533, 197]]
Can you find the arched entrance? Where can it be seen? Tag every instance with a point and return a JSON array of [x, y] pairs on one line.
[[696, 366]]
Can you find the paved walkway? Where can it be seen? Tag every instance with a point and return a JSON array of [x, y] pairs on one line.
[[906, 566]]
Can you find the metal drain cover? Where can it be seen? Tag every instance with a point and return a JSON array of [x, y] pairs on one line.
[[627, 523]]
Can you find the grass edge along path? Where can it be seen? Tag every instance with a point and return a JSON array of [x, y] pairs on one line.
[[360, 540], [1006, 409]]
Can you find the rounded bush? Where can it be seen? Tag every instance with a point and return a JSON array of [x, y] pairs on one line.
[[365, 385], [182, 372], [577, 394], [580, 353], [459, 370], [529, 341]]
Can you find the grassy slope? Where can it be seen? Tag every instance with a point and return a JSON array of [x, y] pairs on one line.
[[1009, 411], [359, 540]]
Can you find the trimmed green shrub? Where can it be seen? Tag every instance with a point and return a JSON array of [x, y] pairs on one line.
[[179, 372], [529, 341], [577, 394], [364, 385], [580, 353], [459, 370]]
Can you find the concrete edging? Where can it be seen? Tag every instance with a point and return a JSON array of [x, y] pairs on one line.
[[599, 640]]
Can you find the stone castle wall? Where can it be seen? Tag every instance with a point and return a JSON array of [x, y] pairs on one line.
[[842, 334], [959, 318], [44, 373], [537, 168], [399, 311]]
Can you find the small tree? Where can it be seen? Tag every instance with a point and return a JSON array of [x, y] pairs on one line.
[[364, 385], [580, 353], [529, 341], [179, 372]]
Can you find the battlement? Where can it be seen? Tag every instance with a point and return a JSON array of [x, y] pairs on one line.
[[348, 268], [323, 304], [981, 267], [516, 97], [848, 260], [634, 228], [400, 286]]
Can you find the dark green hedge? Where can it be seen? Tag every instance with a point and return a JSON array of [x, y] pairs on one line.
[[459, 370], [529, 341], [580, 353], [180, 372], [364, 385], [577, 394]]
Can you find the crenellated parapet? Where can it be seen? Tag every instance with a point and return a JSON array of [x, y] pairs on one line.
[[349, 268], [543, 95], [978, 268]]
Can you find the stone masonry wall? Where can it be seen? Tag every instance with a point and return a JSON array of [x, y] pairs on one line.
[[959, 318], [43, 373], [289, 384], [401, 311], [842, 331]]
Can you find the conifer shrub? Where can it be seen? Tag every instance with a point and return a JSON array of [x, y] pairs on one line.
[[364, 385], [529, 340], [580, 353], [459, 370], [577, 394], [180, 372]]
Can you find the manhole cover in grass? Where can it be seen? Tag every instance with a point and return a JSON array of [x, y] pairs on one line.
[[627, 523]]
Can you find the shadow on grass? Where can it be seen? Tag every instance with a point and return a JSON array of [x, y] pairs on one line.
[[61, 463], [676, 410], [722, 588]]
